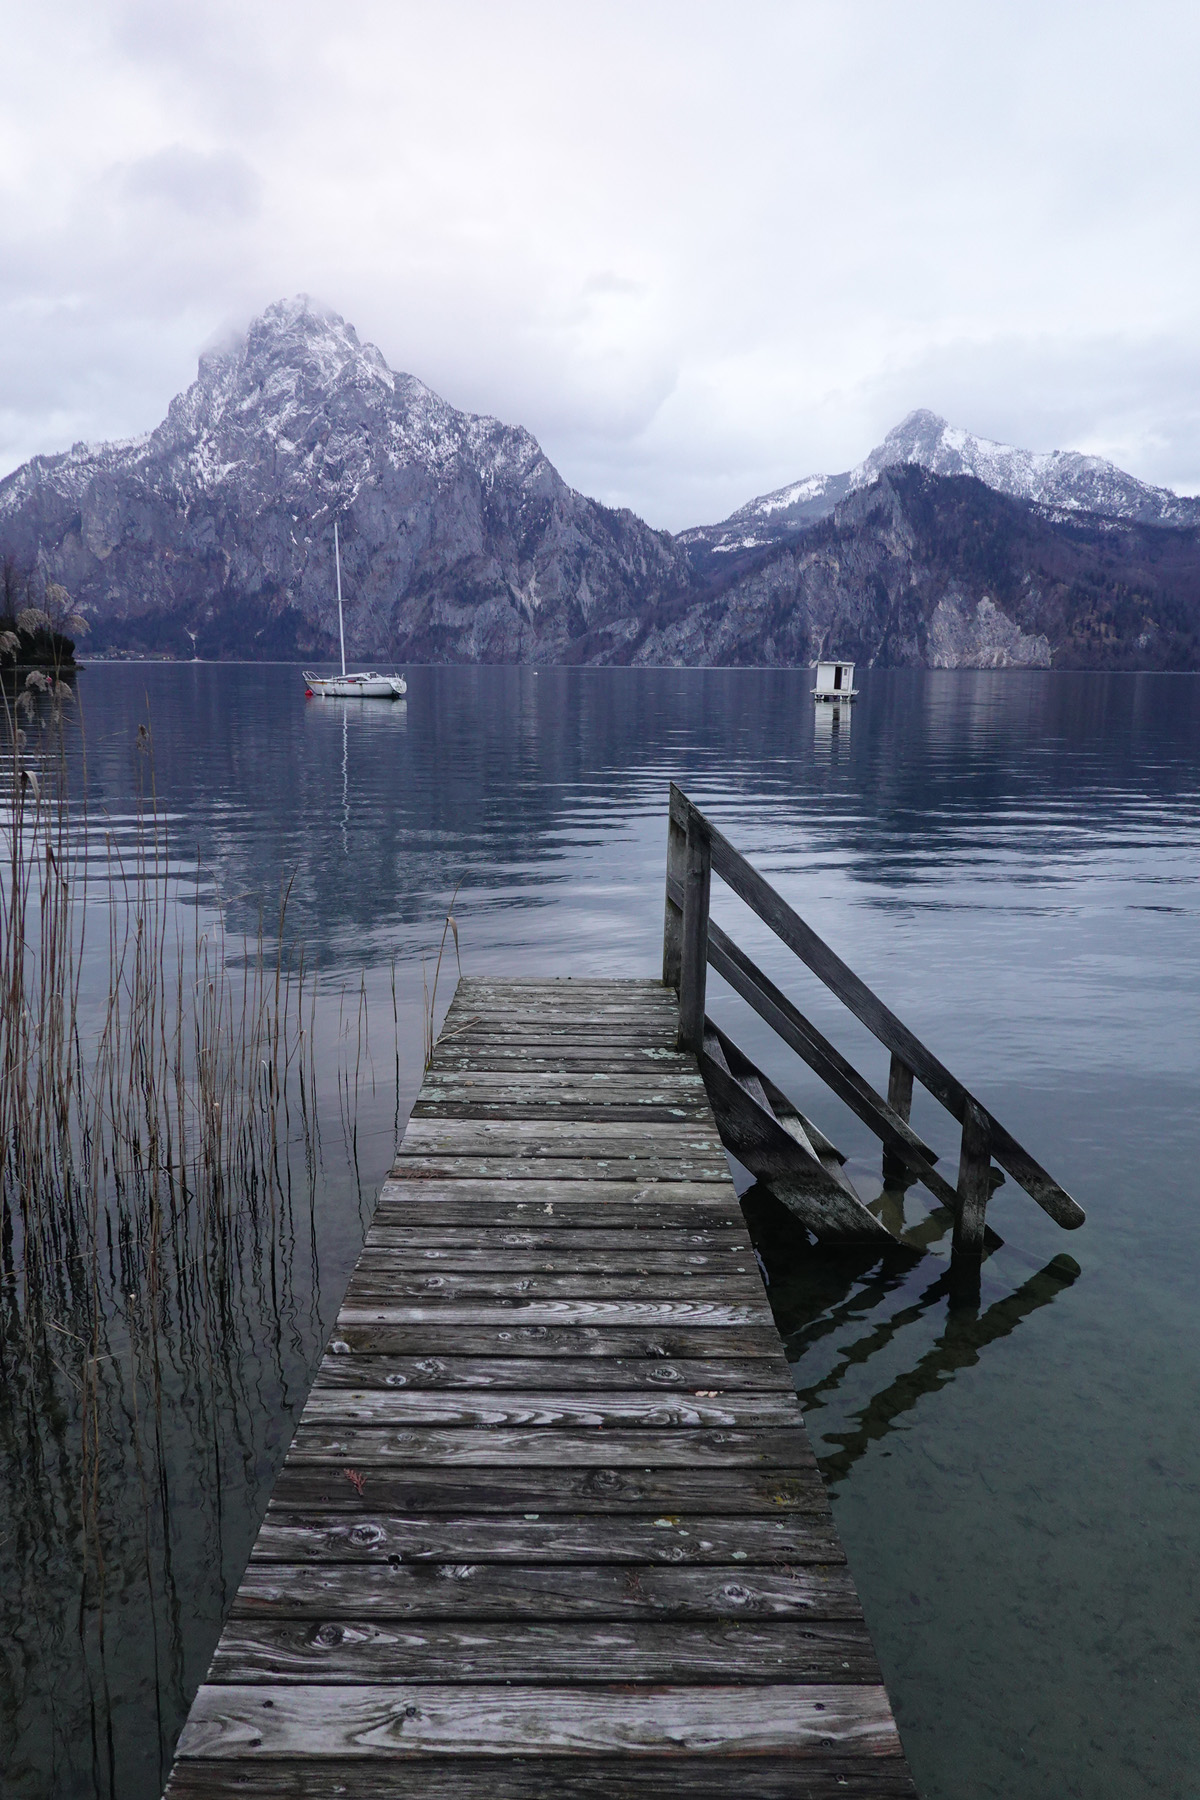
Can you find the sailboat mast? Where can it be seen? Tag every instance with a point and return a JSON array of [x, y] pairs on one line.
[[337, 557]]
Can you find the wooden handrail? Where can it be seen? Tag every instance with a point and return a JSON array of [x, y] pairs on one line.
[[696, 851]]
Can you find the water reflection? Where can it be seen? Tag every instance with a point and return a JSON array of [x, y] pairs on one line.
[[816, 1295], [1012, 862], [831, 728]]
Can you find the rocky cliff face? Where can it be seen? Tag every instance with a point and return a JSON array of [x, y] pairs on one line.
[[924, 570], [459, 539], [1062, 480], [462, 543]]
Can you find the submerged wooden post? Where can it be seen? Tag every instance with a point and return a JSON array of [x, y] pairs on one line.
[[896, 1172], [673, 917], [974, 1182], [693, 971]]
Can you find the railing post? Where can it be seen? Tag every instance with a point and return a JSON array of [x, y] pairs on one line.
[[974, 1182], [896, 1172], [673, 918], [693, 970]]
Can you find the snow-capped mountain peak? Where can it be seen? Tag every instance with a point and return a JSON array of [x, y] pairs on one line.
[[1063, 480], [224, 512]]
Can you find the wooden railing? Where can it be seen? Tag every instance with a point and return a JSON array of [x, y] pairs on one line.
[[758, 1124]]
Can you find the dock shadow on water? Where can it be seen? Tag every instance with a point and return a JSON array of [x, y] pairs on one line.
[[841, 1311], [161, 1147]]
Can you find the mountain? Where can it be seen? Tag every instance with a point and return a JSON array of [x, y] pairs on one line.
[[460, 541], [213, 534], [918, 569], [1063, 480]]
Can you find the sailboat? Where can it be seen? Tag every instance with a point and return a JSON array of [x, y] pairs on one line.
[[353, 686]]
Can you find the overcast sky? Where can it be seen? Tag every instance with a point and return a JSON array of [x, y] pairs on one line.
[[699, 249]]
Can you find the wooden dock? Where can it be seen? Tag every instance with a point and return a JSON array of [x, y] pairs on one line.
[[550, 1527]]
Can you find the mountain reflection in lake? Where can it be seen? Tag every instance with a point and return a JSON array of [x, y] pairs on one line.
[[1010, 860]]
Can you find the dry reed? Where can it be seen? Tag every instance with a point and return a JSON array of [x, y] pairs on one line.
[[148, 1236]]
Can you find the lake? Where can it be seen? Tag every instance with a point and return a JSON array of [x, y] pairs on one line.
[[1012, 861]]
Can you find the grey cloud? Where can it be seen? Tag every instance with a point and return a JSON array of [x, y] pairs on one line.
[[215, 185], [697, 255]]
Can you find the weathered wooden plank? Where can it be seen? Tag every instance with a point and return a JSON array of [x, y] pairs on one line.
[[554, 1440], [335, 1406], [569, 1374], [370, 1537], [640, 996], [539, 1025], [421, 1210], [468, 1137], [370, 1650], [974, 1181], [626, 1259], [836, 1776], [792, 1171], [539, 1110], [563, 1033], [866, 1006], [634, 1020], [646, 993], [437, 1240], [683, 1080], [576, 1225], [839, 1075], [693, 958], [497, 1167], [542, 1189], [613, 1449], [505, 1056], [383, 1721], [370, 1337], [398, 1285], [556, 1312], [603, 1082], [517, 1490], [639, 1005], [477, 1590], [563, 1036]]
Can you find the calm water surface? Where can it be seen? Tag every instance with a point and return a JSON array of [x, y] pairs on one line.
[[1012, 861]]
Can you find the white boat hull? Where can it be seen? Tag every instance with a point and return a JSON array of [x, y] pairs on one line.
[[356, 687]]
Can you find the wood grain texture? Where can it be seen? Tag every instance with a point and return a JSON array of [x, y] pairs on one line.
[[679, 1448], [598, 1188], [598, 1140], [371, 1336], [438, 1590], [567, 1538], [562, 1210], [528, 1167], [551, 1374], [837, 1777], [384, 1721], [371, 1650], [502, 1489], [515, 1410], [501, 1257], [601, 1083], [634, 1281], [517, 1311], [434, 1240], [550, 1527]]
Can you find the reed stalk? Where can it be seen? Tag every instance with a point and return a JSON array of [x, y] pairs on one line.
[[149, 1147]]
